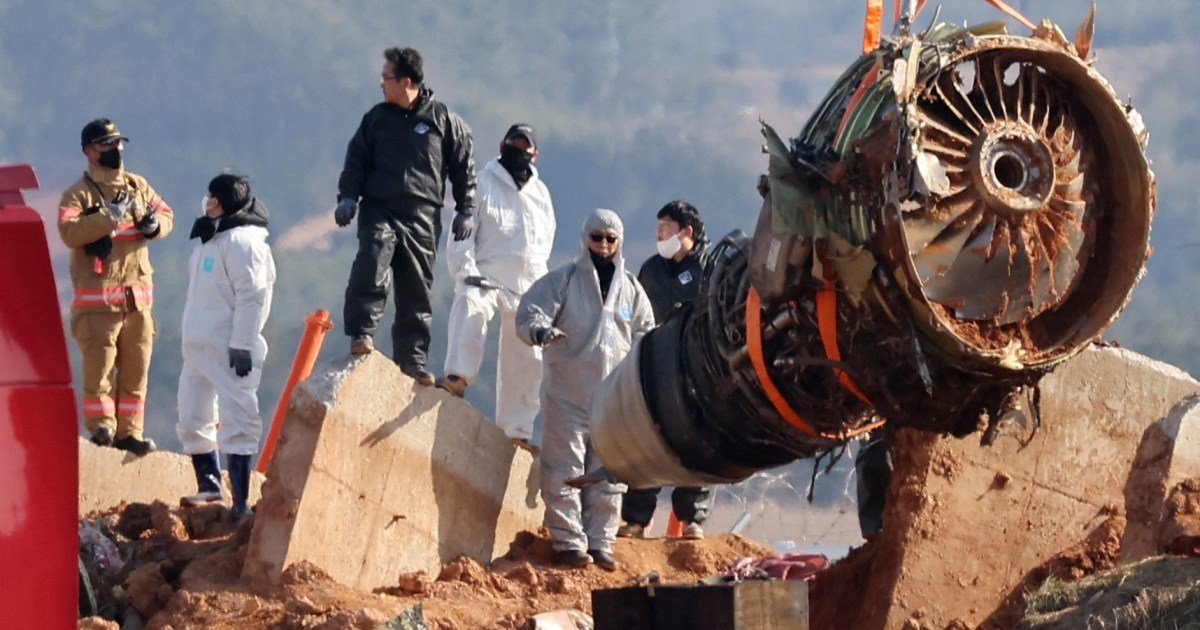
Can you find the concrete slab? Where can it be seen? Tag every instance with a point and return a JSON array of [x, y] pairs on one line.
[[108, 476], [975, 521], [375, 476]]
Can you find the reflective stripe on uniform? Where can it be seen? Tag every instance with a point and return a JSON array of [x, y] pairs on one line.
[[103, 406], [158, 206], [131, 407], [66, 213], [114, 296], [126, 232]]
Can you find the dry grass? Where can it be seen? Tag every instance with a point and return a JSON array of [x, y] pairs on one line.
[[1161, 592]]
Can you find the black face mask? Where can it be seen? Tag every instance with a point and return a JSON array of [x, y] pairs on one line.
[[516, 161], [111, 158]]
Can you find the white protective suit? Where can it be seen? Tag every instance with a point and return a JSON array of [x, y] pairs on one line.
[[599, 335], [513, 238], [228, 300]]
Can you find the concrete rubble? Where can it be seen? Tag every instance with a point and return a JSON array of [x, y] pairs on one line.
[[374, 477], [108, 476]]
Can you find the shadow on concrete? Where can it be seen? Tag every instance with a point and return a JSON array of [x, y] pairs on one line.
[[466, 512], [418, 407]]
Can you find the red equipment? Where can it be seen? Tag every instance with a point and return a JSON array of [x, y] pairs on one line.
[[39, 453]]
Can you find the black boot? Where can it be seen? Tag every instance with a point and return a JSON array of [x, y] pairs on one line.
[[239, 479], [135, 446], [208, 479]]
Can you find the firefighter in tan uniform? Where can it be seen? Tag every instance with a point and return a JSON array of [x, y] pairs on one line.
[[106, 218]]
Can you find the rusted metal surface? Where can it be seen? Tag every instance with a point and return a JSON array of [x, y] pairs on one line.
[[965, 210]]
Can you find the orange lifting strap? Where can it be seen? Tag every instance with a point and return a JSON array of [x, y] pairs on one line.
[[754, 346], [873, 26], [827, 323]]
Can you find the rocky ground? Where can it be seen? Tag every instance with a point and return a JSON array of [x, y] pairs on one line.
[[183, 571]]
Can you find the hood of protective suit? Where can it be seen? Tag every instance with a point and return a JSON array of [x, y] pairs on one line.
[[254, 213], [601, 219]]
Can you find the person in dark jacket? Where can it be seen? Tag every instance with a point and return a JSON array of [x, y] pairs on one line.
[[671, 278], [397, 163]]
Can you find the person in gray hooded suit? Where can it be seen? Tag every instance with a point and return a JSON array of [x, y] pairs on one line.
[[587, 314]]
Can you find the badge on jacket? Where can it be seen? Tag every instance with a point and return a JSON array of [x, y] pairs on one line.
[[626, 312], [685, 277], [207, 264], [421, 128]]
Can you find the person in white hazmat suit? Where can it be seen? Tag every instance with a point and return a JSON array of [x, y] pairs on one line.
[[231, 275], [492, 270], [587, 314]]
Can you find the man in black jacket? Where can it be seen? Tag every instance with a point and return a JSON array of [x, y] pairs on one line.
[[397, 163], [671, 278]]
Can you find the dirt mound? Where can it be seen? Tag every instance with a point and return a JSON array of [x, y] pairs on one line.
[[184, 567], [1181, 531]]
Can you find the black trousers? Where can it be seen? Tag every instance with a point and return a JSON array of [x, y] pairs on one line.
[[690, 505], [873, 474], [395, 248]]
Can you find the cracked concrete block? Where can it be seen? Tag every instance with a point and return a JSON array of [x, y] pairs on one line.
[[982, 522], [1168, 455], [375, 476], [108, 476]]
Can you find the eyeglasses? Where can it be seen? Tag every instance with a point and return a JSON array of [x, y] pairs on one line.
[[608, 238], [388, 77]]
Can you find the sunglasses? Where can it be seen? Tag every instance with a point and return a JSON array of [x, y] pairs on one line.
[[609, 238]]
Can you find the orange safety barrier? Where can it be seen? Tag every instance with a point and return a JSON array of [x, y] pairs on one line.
[[674, 526], [306, 355]]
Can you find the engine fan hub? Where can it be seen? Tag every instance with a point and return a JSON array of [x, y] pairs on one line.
[[1013, 169]]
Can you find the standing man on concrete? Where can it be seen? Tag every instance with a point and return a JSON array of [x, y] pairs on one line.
[[492, 270], [671, 278], [396, 164], [231, 276], [107, 218], [587, 314]]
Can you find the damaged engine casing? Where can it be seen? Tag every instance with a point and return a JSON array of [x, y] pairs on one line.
[[965, 210]]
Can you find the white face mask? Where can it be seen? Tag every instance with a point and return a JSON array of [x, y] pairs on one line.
[[669, 247]]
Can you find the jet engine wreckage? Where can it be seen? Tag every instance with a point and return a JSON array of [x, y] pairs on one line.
[[964, 211]]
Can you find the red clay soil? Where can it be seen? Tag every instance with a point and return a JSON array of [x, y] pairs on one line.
[[185, 567], [1180, 532]]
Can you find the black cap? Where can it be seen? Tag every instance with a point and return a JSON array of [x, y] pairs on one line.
[[99, 130], [522, 129]]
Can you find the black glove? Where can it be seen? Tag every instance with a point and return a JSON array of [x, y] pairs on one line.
[[148, 226], [119, 205], [345, 211], [100, 248], [464, 224], [547, 335], [239, 360], [480, 281]]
